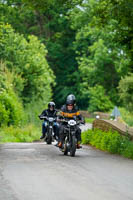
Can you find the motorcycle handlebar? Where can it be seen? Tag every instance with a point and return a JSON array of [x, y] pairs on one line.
[[42, 117], [65, 120], [45, 117]]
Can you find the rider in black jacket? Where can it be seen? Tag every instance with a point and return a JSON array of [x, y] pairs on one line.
[[50, 112], [70, 110]]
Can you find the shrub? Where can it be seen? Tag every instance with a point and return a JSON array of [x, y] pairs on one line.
[[12, 111], [28, 133], [128, 151], [4, 116], [110, 141]]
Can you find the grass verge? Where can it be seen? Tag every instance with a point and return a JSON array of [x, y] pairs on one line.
[[29, 133], [110, 141], [89, 120]]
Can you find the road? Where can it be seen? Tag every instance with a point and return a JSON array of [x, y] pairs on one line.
[[86, 127], [36, 171]]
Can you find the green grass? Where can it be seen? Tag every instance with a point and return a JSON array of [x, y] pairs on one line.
[[89, 120], [110, 141], [29, 133], [29, 130]]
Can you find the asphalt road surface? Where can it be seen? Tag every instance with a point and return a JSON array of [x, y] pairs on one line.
[[36, 171]]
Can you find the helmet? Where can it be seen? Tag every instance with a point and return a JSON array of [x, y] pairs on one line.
[[70, 99], [51, 104]]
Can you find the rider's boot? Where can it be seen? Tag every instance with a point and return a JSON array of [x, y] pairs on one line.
[[57, 144], [79, 146], [60, 144], [43, 136]]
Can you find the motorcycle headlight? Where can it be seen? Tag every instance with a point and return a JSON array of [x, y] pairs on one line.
[[72, 122], [51, 119]]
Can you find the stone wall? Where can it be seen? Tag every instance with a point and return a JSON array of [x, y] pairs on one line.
[[106, 125], [85, 113], [93, 115]]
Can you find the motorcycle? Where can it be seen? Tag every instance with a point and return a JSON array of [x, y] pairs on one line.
[[70, 140], [49, 133]]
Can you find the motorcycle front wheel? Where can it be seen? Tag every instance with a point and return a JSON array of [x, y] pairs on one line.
[[49, 137], [65, 150], [73, 146]]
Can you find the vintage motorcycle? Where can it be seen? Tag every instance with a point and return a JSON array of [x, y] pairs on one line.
[[50, 132], [70, 139]]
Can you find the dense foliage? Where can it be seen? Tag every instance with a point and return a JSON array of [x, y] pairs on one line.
[[50, 48], [11, 110], [25, 76], [98, 99], [119, 15], [27, 59]]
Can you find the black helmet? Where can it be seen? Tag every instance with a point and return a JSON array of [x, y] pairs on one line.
[[51, 104], [70, 99]]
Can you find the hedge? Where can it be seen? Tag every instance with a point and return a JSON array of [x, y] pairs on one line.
[[110, 141]]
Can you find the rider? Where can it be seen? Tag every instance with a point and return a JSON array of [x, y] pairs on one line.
[[50, 112], [69, 111]]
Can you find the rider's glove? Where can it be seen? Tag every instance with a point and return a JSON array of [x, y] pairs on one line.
[[82, 122], [40, 117]]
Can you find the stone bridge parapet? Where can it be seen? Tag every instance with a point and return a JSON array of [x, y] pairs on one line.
[[107, 125]]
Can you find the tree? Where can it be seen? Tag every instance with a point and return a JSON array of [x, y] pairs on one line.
[[27, 59], [107, 11], [101, 59], [104, 67], [98, 100], [49, 21], [88, 42]]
